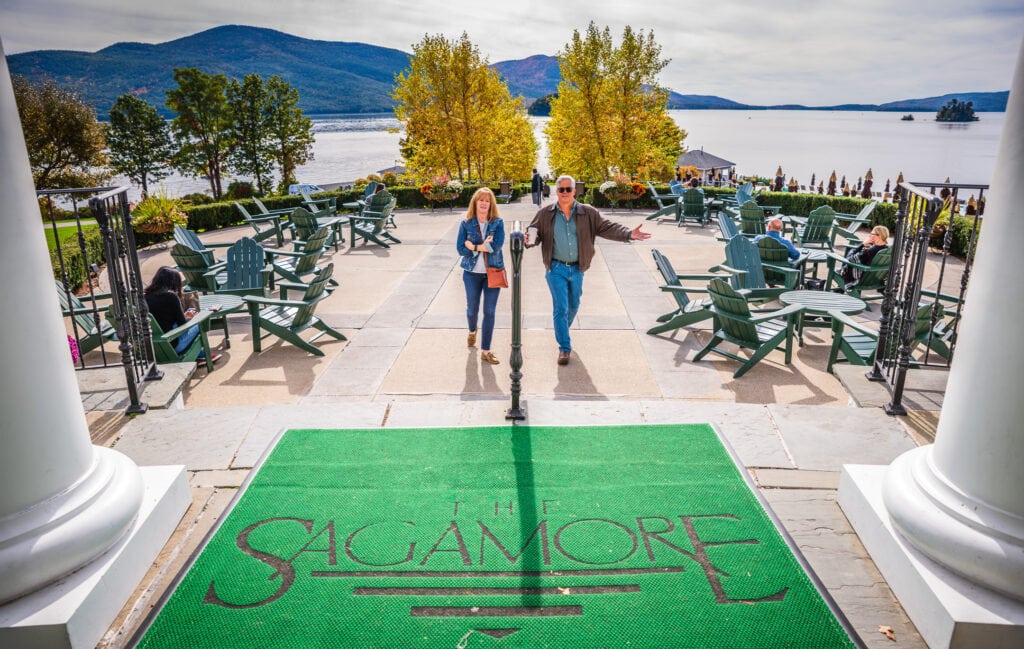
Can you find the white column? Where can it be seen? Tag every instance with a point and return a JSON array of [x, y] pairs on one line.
[[63, 501], [961, 500]]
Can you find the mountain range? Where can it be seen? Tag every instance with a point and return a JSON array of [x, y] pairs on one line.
[[331, 76]]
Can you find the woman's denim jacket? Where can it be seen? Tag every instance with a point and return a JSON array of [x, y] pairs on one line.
[[469, 230]]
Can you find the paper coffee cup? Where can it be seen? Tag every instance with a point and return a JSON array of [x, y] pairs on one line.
[[531, 234]]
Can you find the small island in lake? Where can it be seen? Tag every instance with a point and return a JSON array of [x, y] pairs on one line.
[[907, 118], [956, 111]]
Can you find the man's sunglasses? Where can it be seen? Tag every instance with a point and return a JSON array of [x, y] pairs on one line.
[[565, 190]]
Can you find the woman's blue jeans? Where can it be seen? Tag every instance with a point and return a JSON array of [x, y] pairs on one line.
[[476, 284], [185, 339], [566, 285]]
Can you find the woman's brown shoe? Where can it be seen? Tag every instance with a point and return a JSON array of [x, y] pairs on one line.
[[489, 357], [471, 339]]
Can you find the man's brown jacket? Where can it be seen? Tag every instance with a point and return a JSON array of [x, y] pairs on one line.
[[589, 225]]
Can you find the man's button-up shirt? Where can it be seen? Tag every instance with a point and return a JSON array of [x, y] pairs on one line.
[[565, 244]]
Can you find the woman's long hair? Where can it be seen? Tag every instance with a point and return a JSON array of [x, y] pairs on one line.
[[483, 191], [166, 279]]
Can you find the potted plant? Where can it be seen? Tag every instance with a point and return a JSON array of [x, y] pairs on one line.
[[441, 189], [158, 214], [621, 188]]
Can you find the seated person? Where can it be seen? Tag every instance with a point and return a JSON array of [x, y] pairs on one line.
[[774, 231], [675, 186], [164, 297], [863, 254]]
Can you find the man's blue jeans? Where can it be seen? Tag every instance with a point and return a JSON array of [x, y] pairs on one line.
[[566, 285], [476, 284]]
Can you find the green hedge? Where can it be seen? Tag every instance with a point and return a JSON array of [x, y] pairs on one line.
[[214, 216], [792, 204]]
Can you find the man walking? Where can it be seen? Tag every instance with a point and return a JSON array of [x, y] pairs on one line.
[[537, 188], [566, 232]]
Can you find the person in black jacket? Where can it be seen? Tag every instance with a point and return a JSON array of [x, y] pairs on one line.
[[863, 254], [164, 297], [537, 188]]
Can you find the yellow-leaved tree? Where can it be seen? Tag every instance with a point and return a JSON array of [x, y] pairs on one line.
[[610, 115], [460, 119]]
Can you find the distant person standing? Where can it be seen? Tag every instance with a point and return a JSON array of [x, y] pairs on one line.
[[566, 232], [537, 188]]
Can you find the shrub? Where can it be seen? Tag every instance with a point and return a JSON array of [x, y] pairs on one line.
[[197, 198], [959, 233], [239, 189], [74, 263]]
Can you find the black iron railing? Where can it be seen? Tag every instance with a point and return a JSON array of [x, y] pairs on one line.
[[78, 262], [924, 299]]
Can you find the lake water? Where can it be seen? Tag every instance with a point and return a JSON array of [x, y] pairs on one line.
[[801, 142]]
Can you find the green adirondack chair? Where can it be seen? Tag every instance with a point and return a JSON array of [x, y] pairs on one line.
[[288, 319], [89, 329], [187, 237], [753, 221], [199, 274], [245, 270], [687, 311], [773, 254], [359, 204], [265, 225], [666, 204], [369, 225], [693, 208], [304, 223], [760, 331], [295, 265], [858, 346], [319, 204], [744, 193], [848, 233], [873, 276], [726, 226], [816, 230], [163, 341], [743, 261]]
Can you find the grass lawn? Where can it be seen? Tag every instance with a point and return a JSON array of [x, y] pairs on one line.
[[64, 233]]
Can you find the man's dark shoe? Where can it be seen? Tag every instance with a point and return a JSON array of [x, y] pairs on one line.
[[563, 358]]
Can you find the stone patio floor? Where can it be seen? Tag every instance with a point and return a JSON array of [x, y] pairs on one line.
[[406, 364]]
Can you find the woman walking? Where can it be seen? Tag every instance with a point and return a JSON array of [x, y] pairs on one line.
[[481, 237]]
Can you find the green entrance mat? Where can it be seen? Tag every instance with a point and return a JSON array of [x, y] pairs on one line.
[[575, 537]]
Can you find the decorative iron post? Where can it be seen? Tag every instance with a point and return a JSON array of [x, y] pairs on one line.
[[516, 245]]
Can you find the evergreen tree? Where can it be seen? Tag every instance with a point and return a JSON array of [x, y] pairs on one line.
[[201, 125], [956, 111], [139, 141], [64, 140], [290, 133], [609, 114], [460, 119], [249, 111]]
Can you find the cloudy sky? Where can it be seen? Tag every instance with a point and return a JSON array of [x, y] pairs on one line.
[[814, 52]]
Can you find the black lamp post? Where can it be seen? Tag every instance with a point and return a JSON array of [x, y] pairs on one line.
[[516, 246]]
